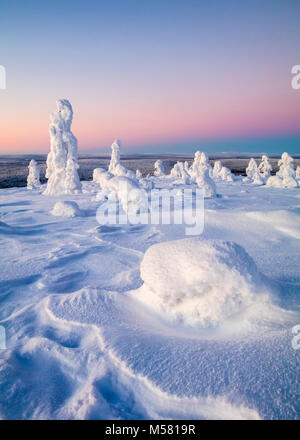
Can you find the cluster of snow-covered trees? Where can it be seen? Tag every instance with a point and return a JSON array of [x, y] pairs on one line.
[[201, 173], [286, 176], [62, 166], [119, 183]]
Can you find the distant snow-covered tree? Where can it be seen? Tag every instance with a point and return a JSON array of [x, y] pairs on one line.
[[205, 182], [184, 174], [253, 175], [226, 174], [251, 169], [265, 167], [159, 169], [33, 179], [286, 166], [115, 166], [286, 176], [200, 162], [115, 156], [138, 175], [217, 169], [176, 170]]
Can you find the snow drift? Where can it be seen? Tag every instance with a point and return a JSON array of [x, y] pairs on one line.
[[199, 282], [66, 209]]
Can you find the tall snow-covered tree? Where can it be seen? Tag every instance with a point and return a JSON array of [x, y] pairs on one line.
[[62, 160]]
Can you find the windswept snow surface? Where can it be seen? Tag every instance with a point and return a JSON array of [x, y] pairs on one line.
[[81, 345]]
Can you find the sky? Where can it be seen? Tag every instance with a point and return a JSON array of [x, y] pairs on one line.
[[161, 75]]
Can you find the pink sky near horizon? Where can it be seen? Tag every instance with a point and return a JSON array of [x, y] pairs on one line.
[[26, 128]]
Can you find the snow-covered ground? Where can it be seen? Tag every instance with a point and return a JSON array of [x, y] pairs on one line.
[[82, 344]]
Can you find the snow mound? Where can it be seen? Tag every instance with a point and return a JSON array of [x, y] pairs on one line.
[[67, 209], [199, 282]]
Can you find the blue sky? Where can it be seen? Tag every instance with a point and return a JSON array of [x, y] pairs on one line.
[[161, 75]]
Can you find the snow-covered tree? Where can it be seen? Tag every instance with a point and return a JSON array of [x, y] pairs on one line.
[[200, 162], [298, 173], [100, 174], [159, 169], [226, 174], [253, 175], [181, 171], [138, 175], [286, 166], [186, 167], [257, 179], [205, 182], [33, 179], [62, 160], [251, 169], [176, 171], [115, 166], [184, 174], [217, 169], [286, 176], [265, 167], [115, 156]]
